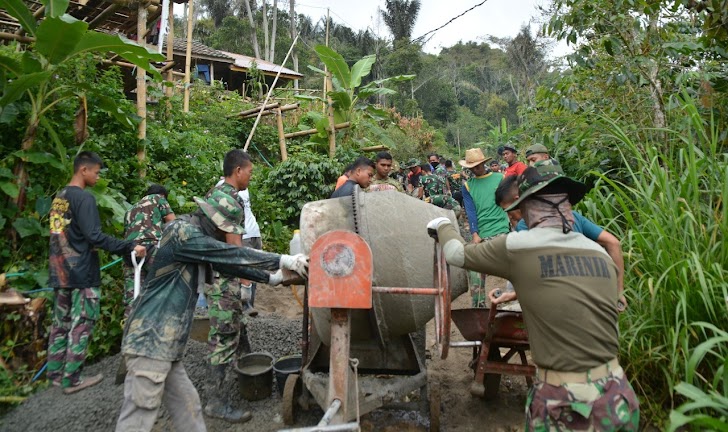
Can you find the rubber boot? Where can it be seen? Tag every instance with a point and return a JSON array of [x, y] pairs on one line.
[[217, 407]]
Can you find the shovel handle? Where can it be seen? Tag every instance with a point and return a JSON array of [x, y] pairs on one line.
[[137, 273]]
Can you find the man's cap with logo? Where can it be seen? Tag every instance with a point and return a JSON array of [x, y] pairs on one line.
[[547, 173], [223, 211], [536, 148], [473, 157], [411, 163]]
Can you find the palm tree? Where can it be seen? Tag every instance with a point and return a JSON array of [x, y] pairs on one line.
[[400, 17]]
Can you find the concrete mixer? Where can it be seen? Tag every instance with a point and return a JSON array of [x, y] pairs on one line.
[[375, 280]]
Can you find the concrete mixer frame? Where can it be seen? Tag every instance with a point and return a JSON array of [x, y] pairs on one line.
[[340, 278]]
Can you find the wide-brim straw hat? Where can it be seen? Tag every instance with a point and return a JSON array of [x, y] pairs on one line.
[[473, 157]]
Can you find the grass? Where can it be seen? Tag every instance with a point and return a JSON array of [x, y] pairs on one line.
[[670, 215]]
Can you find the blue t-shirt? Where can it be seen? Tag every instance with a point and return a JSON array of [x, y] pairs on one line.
[[581, 225]]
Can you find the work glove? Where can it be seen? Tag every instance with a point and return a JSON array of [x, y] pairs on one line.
[[434, 224], [285, 277], [297, 263]]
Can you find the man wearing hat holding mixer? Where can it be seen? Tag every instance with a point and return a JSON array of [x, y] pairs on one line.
[[159, 325]]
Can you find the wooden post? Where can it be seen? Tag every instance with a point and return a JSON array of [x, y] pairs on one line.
[[332, 124], [188, 57], [281, 135], [141, 96], [170, 47], [326, 79]]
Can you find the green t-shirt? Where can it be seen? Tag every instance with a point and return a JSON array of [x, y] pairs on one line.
[[492, 220]]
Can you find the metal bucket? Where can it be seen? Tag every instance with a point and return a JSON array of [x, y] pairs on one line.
[[255, 376], [285, 366]]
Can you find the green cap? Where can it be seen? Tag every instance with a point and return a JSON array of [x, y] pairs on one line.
[[413, 162], [223, 211], [536, 148], [545, 173]]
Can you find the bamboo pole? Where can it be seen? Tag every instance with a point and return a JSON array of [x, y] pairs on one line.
[[170, 48], [19, 38], [330, 115], [141, 96], [255, 110], [270, 91], [269, 110], [281, 135], [188, 58], [313, 131], [105, 13]]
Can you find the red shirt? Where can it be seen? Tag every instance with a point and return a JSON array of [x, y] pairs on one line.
[[516, 169]]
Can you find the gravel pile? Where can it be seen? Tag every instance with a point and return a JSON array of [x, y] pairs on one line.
[[97, 408]]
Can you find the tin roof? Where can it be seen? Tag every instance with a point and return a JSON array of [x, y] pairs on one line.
[[244, 63]]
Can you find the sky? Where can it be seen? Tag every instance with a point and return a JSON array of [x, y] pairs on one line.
[[501, 18]]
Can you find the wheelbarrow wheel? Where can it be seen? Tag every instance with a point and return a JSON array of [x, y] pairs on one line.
[[491, 381], [291, 393]]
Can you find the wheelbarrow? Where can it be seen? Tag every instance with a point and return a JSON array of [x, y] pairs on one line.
[[487, 331]]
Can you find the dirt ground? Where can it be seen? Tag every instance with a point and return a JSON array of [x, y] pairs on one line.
[[277, 331]]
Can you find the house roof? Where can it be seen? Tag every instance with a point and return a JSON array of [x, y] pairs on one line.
[[179, 47], [244, 63], [117, 16]]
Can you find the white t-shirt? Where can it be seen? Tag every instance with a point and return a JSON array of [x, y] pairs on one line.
[[251, 225]]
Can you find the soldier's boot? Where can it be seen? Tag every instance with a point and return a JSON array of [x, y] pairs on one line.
[[216, 406]]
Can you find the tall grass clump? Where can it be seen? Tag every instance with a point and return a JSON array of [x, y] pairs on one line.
[[669, 213]]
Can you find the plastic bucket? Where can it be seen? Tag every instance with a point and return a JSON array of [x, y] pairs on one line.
[[285, 366], [255, 376]]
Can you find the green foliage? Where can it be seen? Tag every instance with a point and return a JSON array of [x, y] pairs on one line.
[[303, 177], [672, 281]]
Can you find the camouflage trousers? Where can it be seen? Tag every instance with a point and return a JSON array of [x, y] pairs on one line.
[[446, 202], [227, 336], [607, 404], [74, 314]]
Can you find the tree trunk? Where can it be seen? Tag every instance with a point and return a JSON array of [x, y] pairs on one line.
[[253, 29], [20, 173], [273, 32], [292, 13], [266, 36]]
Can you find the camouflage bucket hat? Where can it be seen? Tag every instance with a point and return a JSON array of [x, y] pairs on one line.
[[535, 149], [223, 211], [547, 173], [413, 162]]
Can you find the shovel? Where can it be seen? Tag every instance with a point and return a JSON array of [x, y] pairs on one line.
[[121, 372]]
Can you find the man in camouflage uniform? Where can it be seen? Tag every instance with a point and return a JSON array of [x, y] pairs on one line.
[[227, 338], [382, 181], [567, 287], [412, 180], [143, 225], [455, 182], [435, 191], [74, 273], [159, 325]]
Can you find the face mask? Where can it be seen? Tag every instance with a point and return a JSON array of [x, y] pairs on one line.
[[434, 164]]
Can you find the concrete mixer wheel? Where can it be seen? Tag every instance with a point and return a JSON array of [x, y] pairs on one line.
[[442, 303], [291, 393]]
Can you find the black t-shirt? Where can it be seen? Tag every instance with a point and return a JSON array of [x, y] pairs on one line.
[[345, 190], [75, 236]]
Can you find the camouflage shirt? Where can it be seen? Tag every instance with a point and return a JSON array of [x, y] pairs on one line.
[[161, 317], [386, 184], [143, 222], [453, 177], [433, 185], [440, 170]]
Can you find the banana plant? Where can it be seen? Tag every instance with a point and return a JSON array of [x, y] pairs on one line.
[[348, 94], [59, 38]]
